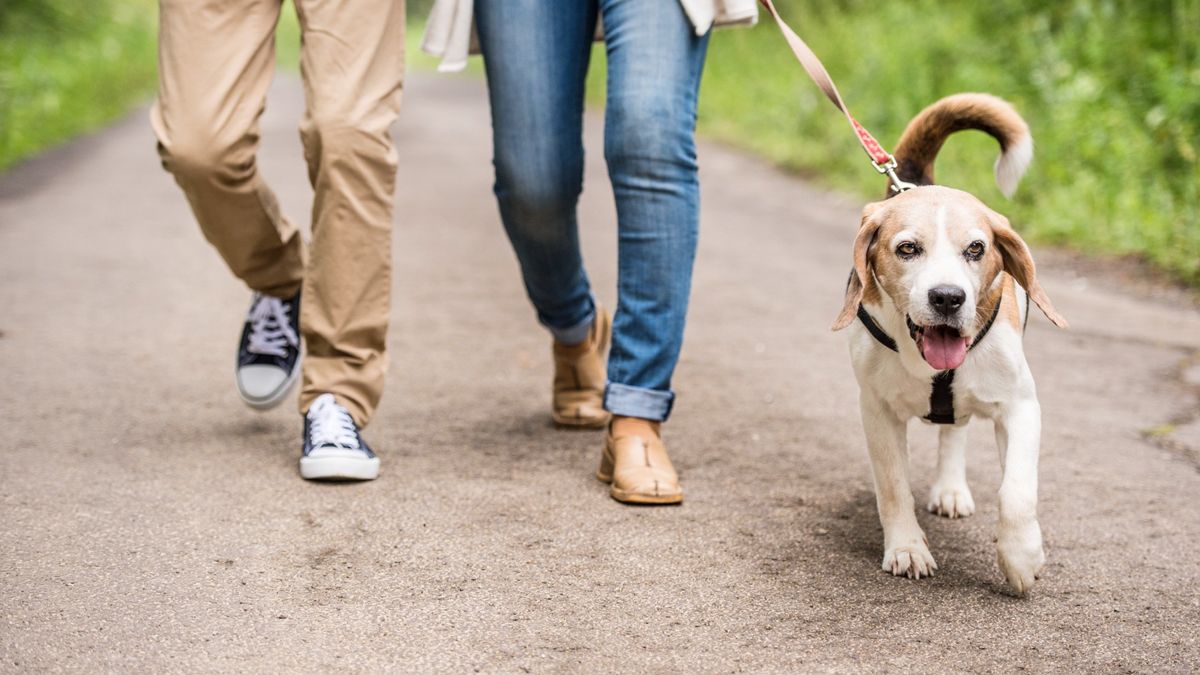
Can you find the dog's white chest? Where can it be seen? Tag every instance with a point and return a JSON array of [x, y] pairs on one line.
[[905, 396], [977, 388]]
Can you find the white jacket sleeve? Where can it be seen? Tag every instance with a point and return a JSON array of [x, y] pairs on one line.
[[449, 33], [706, 14], [736, 12]]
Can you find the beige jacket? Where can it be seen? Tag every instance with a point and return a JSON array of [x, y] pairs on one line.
[[450, 33]]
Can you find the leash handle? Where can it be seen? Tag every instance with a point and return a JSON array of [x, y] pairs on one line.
[[881, 159]]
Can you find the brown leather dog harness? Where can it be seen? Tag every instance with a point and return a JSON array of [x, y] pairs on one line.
[[941, 395]]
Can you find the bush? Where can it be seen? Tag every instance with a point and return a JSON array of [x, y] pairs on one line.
[[1110, 88], [69, 67]]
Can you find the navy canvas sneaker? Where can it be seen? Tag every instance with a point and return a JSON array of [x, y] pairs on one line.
[[333, 447], [268, 361]]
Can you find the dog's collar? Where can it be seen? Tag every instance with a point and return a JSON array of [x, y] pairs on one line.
[[876, 332], [941, 396]]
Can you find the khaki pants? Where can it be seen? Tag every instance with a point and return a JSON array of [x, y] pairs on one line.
[[216, 60]]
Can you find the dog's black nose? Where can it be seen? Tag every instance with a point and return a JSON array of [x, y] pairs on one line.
[[946, 300]]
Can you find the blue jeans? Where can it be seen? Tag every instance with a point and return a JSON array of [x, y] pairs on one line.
[[536, 56]]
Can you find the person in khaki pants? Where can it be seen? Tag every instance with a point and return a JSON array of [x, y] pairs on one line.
[[216, 60]]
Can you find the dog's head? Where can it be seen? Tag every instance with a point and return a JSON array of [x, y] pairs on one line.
[[936, 253]]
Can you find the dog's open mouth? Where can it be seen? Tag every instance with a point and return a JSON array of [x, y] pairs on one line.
[[942, 347]]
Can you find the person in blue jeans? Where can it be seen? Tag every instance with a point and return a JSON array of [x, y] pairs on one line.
[[536, 56]]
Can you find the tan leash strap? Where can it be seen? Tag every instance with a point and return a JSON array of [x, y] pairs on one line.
[[880, 158]]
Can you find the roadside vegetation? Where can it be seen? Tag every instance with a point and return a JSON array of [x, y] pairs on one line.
[[1110, 88], [67, 67]]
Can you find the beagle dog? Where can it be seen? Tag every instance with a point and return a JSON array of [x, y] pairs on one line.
[[936, 307]]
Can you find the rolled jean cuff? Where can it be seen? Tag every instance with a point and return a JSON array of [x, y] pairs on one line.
[[576, 334], [627, 401]]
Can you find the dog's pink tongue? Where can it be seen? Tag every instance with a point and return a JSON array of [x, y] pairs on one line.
[[943, 348]]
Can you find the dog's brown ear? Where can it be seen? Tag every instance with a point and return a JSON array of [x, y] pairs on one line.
[[1018, 262], [858, 277]]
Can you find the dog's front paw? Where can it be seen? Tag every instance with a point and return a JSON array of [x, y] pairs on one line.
[[1020, 554], [910, 559], [951, 501]]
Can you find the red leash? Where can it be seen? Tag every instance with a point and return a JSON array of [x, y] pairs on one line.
[[881, 159]]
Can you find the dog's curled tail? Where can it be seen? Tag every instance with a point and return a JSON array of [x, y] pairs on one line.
[[923, 138]]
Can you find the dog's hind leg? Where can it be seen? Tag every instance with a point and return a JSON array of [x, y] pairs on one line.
[[905, 550], [950, 496], [1019, 538]]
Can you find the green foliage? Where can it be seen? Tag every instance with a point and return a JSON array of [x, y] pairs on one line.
[[68, 67], [418, 9], [1110, 88], [287, 38]]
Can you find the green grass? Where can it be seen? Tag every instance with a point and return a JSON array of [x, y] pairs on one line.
[[1111, 89], [287, 39], [69, 67]]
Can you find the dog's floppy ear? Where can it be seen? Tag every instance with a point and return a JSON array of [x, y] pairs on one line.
[[858, 276], [1018, 262]]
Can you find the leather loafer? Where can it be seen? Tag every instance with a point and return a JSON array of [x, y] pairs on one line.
[[640, 471], [579, 377]]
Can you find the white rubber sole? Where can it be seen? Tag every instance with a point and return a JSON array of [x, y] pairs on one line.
[[276, 397], [339, 468]]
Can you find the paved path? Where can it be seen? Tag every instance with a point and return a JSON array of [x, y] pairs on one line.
[[149, 522]]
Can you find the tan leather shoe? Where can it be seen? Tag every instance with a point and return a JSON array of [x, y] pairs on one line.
[[579, 376], [640, 471]]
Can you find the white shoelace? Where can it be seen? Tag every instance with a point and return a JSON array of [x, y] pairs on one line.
[[270, 326], [330, 424]]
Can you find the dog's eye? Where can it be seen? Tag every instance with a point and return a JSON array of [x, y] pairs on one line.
[[908, 249], [974, 250]]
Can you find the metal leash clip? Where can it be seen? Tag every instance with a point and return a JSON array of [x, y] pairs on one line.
[[889, 169]]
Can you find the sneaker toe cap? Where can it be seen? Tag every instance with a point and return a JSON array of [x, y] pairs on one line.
[[261, 381], [333, 452]]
